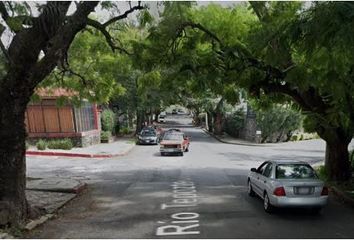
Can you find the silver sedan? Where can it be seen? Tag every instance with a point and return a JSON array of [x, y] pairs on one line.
[[284, 183]]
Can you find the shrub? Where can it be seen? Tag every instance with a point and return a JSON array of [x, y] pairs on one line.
[[108, 120], [125, 130], [105, 135], [294, 138], [41, 144], [234, 123], [278, 122], [322, 173], [65, 144], [301, 137]]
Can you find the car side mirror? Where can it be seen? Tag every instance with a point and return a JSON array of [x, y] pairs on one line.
[[253, 170]]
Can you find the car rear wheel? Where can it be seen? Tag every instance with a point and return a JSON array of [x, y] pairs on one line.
[[266, 204], [316, 210], [250, 190]]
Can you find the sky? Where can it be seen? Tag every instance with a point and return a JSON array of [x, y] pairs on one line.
[[104, 14]]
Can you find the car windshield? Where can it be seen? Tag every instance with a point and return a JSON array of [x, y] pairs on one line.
[[295, 171], [173, 137], [147, 133]]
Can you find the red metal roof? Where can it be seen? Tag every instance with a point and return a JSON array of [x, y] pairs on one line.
[[54, 93]]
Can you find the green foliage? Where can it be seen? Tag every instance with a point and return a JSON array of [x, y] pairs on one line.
[[95, 69], [105, 136], [108, 120], [125, 131], [234, 123], [294, 138], [278, 122], [322, 173], [41, 144], [65, 144]]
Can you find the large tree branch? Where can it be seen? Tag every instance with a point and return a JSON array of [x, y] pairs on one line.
[[61, 41], [3, 11], [197, 26], [107, 36], [124, 15]]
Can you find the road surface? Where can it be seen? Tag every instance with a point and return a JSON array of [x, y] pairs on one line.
[[200, 195]]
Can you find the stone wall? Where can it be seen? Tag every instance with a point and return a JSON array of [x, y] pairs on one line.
[[88, 139], [249, 131]]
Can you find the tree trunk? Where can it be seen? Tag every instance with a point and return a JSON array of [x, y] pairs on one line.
[[196, 118], [157, 113], [337, 156], [218, 123], [337, 160], [139, 121], [210, 122], [13, 205]]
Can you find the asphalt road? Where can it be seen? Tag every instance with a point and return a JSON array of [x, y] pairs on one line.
[[200, 195]]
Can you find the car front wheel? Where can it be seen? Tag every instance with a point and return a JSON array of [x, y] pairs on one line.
[[250, 190], [266, 204]]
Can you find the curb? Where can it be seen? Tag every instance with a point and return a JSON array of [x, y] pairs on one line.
[[243, 144], [76, 190], [82, 155], [39, 221], [34, 223], [4, 235], [343, 196]]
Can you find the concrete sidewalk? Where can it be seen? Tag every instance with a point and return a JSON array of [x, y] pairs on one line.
[[103, 150], [48, 195], [231, 140]]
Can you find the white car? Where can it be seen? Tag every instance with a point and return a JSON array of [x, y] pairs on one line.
[[161, 118], [284, 183]]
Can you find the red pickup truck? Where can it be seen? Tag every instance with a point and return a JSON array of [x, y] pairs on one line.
[[174, 143]]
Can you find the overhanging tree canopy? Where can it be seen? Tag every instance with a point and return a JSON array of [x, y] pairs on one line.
[[43, 34]]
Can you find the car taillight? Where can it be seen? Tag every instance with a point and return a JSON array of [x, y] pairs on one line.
[[324, 191], [279, 191]]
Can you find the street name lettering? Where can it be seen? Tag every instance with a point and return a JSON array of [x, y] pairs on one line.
[[184, 195]]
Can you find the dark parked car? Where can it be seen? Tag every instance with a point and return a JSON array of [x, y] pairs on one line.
[[148, 136]]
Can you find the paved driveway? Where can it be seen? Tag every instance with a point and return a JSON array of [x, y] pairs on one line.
[[200, 195]]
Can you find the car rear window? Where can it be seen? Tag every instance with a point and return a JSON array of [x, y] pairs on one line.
[[295, 171], [173, 137]]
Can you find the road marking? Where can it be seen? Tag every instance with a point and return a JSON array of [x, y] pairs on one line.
[[184, 194]]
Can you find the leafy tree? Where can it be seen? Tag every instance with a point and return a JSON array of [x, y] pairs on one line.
[[287, 50], [278, 122], [39, 45]]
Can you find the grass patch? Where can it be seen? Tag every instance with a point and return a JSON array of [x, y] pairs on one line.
[[65, 144]]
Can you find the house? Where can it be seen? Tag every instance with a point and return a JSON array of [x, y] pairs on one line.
[[45, 119]]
